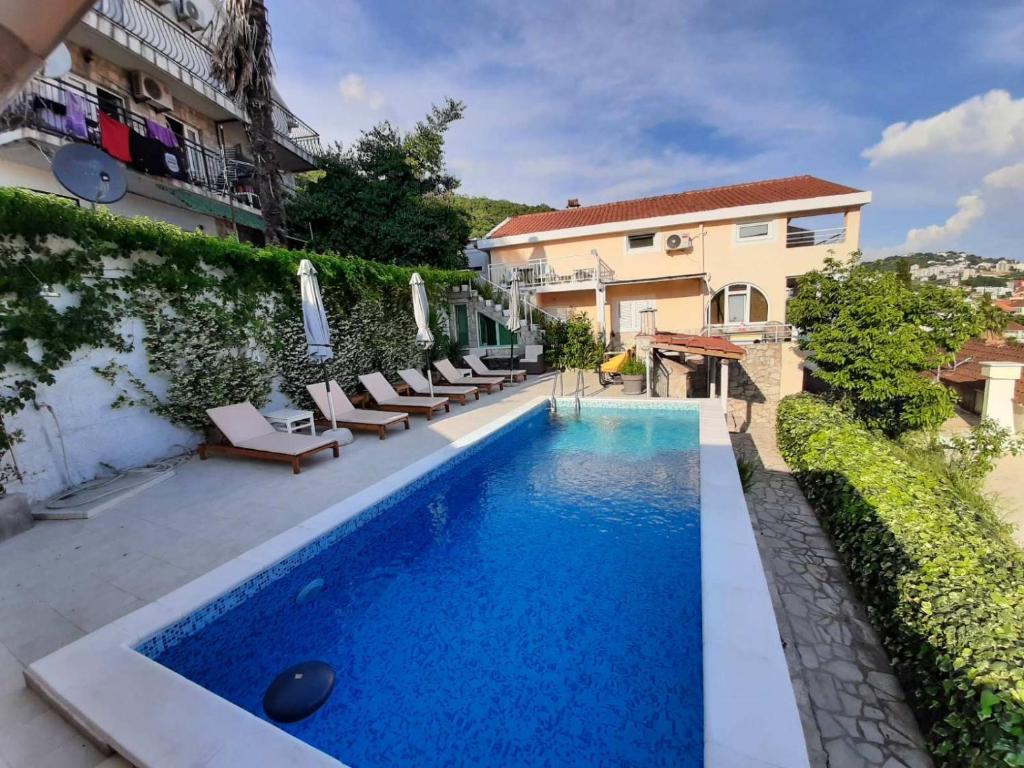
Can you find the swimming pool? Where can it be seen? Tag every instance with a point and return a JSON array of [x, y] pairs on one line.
[[536, 601], [734, 670]]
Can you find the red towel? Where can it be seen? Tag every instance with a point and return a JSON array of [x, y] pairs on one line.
[[114, 138]]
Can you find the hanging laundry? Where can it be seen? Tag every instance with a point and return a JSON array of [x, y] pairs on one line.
[[174, 159], [147, 154], [75, 118], [114, 138], [163, 133]]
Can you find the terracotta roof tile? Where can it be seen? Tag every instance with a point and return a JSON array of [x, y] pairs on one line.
[[978, 352], [751, 193]]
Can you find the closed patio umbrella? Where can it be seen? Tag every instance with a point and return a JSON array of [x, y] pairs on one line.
[[421, 311], [514, 322], [318, 333]]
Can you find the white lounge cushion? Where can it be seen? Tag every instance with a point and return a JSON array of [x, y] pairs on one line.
[[479, 368], [344, 411], [420, 385], [240, 422], [282, 442], [382, 391], [453, 375]]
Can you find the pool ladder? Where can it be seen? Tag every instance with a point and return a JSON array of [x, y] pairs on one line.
[[558, 381]]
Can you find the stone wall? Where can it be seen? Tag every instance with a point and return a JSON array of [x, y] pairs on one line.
[[755, 387]]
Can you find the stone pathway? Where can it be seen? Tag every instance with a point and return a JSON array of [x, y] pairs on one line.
[[851, 704]]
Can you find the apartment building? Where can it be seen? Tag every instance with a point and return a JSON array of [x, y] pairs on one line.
[[719, 261], [145, 65]]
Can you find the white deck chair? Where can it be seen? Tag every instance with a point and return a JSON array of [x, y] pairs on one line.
[[453, 375], [421, 386], [388, 399], [347, 415], [250, 435], [478, 367]]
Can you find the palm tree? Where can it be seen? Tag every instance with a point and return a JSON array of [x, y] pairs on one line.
[[242, 61]]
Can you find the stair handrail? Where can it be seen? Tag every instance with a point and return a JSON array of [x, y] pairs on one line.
[[505, 292]]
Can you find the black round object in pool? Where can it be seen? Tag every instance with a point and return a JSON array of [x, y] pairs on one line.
[[298, 692]]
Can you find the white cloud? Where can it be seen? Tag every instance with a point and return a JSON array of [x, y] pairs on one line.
[[354, 90], [990, 125], [1007, 177], [970, 208]]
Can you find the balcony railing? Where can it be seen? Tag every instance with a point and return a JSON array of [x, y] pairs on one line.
[[798, 237], [147, 25], [761, 332], [42, 106], [565, 271]]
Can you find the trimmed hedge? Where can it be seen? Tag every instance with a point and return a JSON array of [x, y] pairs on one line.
[[942, 585]]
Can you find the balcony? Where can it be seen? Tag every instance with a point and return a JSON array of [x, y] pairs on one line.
[[41, 106], [565, 273], [798, 237], [767, 332], [136, 26]]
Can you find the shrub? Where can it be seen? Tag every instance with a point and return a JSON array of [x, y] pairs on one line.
[[633, 367], [943, 585]]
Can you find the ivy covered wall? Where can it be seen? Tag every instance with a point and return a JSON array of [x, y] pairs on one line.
[[116, 334]]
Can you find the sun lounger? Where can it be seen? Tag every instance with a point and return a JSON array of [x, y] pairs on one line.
[[478, 367], [380, 389], [453, 375], [347, 415], [249, 434], [421, 386]]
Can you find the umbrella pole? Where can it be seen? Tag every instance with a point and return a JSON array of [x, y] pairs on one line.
[[330, 398], [511, 359], [426, 370]]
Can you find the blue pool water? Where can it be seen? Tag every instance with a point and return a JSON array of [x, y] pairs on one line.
[[535, 604]]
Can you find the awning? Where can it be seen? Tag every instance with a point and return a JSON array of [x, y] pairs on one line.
[[669, 279], [709, 346], [211, 207]]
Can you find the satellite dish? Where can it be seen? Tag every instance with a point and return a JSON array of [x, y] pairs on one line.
[[58, 63], [90, 173]]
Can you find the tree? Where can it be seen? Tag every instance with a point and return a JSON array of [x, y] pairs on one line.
[[872, 337], [485, 214], [388, 197], [242, 61], [903, 272]]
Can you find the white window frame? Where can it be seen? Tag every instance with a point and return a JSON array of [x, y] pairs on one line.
[[655, 240], [767, 237], [636, 304], [746, 294]]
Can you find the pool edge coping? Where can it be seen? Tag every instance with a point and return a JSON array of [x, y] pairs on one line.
[[103, 671]]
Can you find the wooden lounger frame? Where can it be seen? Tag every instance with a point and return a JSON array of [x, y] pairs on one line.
[[426, 410], [380, 429], [230, 450], [460, 397]]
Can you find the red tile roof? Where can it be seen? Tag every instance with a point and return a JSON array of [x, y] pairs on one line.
[[978, 352], [714, 346], [751, 193]]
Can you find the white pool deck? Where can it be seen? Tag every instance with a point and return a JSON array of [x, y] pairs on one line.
[[211, 526]]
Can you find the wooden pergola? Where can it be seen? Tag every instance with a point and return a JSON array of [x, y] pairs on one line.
[[705, 346]]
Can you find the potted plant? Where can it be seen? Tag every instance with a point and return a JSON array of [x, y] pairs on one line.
[[633, 374]]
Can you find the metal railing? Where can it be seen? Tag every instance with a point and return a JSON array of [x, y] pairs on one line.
[[798, 237], [524, 299], [148, 25], [561, 271], [767, 332], [43, 106]]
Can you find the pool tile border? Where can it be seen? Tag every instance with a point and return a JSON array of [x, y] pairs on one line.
[[153, 716]]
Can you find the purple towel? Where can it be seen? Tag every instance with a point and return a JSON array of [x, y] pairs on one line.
[[74, 120], [161, 132]]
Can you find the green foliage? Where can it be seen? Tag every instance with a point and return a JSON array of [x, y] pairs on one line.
[[210, 307], [871, 336], [388, 197], [633, 367], [747, 469], [578, 349], [986, 281], [993, 319], [485, 214], [975, 453], [943, 582]]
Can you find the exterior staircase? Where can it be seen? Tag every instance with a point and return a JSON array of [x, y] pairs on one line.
[[476, 304]]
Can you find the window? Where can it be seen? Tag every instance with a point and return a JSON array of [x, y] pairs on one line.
[[493, 334], [462, 324], [111, 104], [629, 314], [738, 303], [755, 230], [639, 242]]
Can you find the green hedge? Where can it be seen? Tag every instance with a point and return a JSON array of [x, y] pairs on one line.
[[944, 587]]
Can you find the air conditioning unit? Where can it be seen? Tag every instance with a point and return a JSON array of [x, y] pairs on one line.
[[679, 242], [146, 88], [192, 14]]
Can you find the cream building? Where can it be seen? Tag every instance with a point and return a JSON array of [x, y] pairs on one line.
[[720, 261], [146, 63]]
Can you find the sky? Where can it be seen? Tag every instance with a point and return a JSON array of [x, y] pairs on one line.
[[919, 101]]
